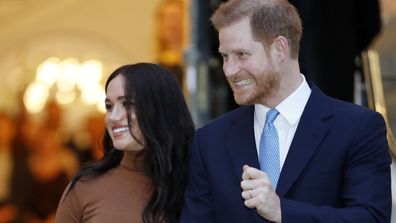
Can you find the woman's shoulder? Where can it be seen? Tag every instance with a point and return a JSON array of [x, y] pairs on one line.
[[78, 197]]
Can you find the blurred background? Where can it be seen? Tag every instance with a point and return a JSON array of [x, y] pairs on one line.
[[55, 56]]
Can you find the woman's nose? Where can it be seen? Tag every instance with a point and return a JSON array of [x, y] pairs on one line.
[[116, 113]]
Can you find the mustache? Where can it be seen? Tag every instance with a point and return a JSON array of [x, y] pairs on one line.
[[239, 76]]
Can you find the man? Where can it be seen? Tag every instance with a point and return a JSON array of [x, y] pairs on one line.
[[332, 161]]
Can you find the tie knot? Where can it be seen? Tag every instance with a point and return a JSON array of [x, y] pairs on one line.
[[271, 115]]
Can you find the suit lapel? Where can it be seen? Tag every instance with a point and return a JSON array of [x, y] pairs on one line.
[[309, 134], [241, 142], [242, 148]]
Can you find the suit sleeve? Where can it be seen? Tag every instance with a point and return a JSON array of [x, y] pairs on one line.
[[198, 206], [69, 208], [366, 189]]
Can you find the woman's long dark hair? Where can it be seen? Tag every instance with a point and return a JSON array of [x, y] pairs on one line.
[[166, 125]]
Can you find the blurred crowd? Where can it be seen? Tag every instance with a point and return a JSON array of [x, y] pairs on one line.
[[37, 161]]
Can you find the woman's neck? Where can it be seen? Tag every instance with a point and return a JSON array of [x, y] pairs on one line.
[[133, 161]]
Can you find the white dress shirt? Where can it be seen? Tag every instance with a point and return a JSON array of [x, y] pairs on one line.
[[290, 111]]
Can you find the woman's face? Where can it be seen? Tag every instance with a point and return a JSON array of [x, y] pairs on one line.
[[116, 118]]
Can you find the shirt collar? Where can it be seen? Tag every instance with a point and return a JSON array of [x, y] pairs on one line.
[[291, 108]]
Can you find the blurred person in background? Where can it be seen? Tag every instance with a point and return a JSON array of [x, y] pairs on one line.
[[50, 169], [170, 38], [89, 139], [14, 173]]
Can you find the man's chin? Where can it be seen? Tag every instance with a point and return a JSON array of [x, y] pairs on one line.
[[242, 100]]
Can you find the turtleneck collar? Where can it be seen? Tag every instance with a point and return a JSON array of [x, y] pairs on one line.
[[132, 161]]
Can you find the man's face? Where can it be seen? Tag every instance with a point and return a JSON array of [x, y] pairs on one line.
[[248, 66]]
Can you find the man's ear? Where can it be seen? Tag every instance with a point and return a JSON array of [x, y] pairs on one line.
[[281, 47]]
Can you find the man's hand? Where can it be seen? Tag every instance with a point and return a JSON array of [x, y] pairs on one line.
[[258, 193]]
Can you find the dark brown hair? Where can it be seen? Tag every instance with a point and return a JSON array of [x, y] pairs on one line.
[[168, 129]]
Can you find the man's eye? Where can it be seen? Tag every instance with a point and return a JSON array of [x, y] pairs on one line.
[[241, 54]]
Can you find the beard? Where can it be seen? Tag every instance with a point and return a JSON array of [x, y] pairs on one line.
[[265, 86]]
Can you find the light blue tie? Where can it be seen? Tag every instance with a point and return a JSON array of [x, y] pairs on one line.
[[269, 148]]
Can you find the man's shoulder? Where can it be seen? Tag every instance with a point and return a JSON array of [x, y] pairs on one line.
[[345, 108], [337, 107]]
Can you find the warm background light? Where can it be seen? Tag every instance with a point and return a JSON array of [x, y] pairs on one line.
[[66, 81], [35, 97], [47, 71]]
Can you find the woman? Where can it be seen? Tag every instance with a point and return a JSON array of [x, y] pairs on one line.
[[142, 176]]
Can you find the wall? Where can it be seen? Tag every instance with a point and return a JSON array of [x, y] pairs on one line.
[[112, 31]]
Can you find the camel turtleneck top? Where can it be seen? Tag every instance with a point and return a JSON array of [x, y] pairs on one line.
[[119, 195]]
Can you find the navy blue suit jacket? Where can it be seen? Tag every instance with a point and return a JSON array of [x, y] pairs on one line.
[[337, 168]]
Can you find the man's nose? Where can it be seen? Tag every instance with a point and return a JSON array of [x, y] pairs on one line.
[[230, 67]]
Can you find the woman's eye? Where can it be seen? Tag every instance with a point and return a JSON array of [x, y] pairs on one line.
[[108, 107], [128, 104]]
